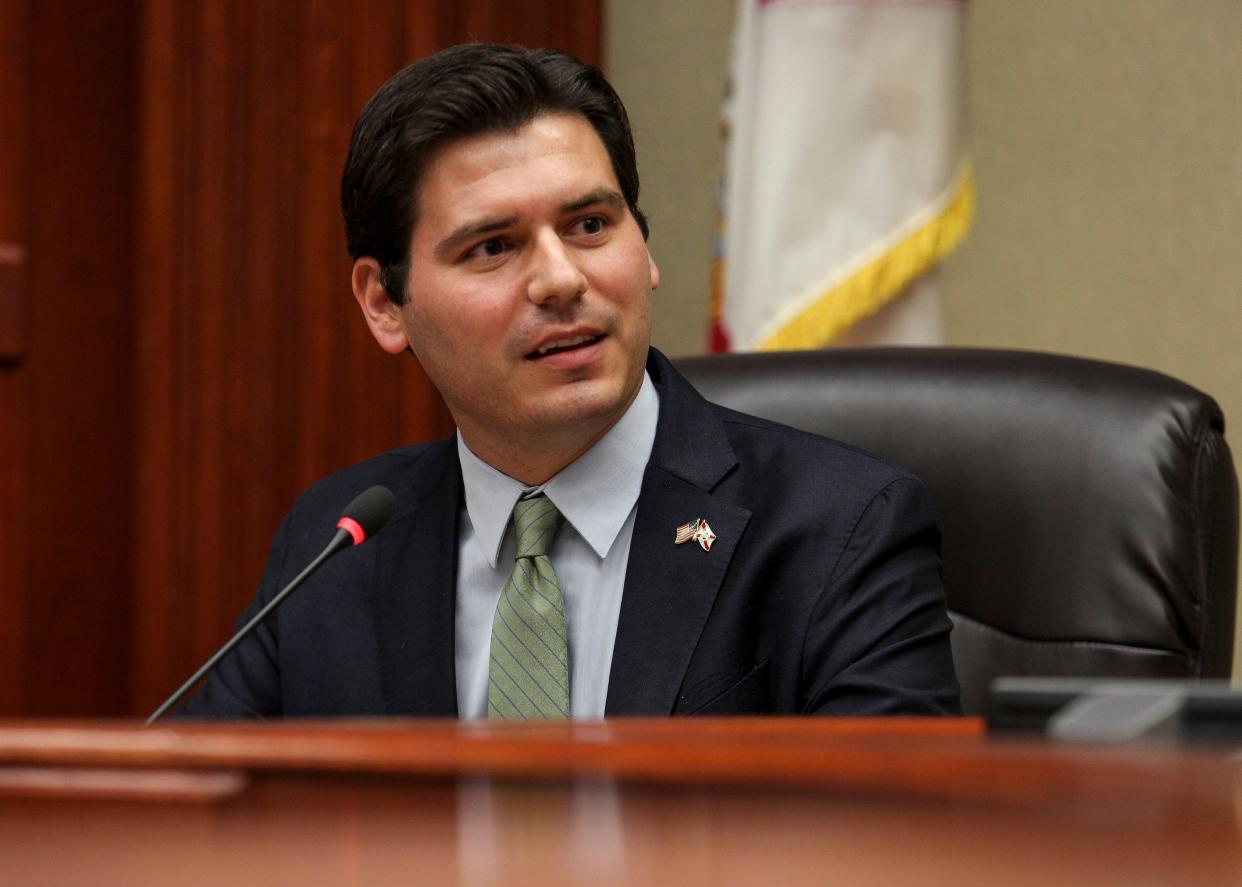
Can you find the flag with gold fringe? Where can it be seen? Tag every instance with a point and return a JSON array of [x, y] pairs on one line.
[[846, 180]]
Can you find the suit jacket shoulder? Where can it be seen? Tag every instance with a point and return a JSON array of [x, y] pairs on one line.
[[820, 594], [371, 632]]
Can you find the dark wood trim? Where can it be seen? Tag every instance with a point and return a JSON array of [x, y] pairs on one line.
[[74, 382], [792, 801], [12, 302], [14, 204]]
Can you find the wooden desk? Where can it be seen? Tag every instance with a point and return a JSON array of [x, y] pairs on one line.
[[668, 802]]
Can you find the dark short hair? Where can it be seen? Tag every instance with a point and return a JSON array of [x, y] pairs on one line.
[[463, 91]]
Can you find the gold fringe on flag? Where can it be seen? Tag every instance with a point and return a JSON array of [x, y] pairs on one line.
[[882, 278]]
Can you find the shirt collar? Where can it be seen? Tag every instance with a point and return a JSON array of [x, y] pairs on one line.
[[595, 492]]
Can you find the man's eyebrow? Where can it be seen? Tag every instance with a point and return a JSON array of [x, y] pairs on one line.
[[600, 195], [471, 230]]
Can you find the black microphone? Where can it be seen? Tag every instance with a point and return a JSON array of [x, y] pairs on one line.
[[361, 519]]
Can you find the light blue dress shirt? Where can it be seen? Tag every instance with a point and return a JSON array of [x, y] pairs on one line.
[[598, 495]]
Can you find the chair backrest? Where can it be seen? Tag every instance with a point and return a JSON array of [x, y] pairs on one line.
[[1089, 511]]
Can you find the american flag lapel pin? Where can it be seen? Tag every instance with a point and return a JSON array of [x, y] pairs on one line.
[[696, 530]]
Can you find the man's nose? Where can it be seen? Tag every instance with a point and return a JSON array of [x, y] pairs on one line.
[[554, 273]]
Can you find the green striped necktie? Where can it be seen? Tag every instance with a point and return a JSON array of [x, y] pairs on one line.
[[529, 673]]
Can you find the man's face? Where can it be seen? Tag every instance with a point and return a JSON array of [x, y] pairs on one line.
[[528, 301]]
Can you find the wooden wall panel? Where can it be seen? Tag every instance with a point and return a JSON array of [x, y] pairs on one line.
[[13, 268], [12, 545], [573, 27], [65, 404], [255, 374], [14, 146], [179, 350], [14, 122]]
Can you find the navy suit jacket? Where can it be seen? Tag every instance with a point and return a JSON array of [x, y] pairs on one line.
[[821, 594]]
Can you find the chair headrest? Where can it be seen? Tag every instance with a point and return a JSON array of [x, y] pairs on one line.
[[1065, 487]]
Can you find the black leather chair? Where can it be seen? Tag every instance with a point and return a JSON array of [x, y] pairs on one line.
[[1089, 511]]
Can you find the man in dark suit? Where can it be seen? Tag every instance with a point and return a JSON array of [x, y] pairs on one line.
[[664, 555]]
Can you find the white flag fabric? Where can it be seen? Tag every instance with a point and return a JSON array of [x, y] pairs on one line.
[[845, 174]]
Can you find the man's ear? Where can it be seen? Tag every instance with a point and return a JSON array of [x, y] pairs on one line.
[[654, 271], [383, 316]]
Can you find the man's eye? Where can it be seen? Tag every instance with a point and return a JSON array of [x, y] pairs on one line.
[[488, 249], [592, 225]]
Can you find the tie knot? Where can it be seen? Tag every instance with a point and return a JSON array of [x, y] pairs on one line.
[[535, 522]]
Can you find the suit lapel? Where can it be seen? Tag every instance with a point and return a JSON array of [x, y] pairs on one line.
[[669, 592], [670, 589], [415, 591]]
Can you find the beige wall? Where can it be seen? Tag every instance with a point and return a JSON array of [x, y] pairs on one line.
[[1107, 137], [668, 61]]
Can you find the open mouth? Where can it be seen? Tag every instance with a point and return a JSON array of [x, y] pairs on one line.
[[561, 345]]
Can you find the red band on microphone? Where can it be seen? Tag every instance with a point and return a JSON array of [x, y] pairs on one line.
[[353, 528]]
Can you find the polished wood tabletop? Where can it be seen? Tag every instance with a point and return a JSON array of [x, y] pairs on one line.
[[676, 802]]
